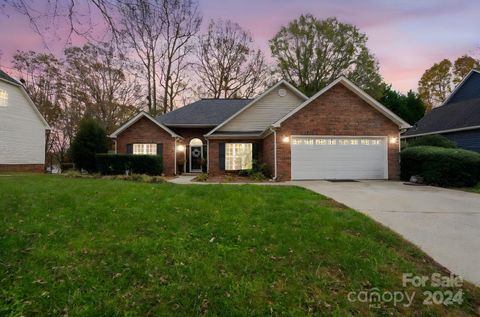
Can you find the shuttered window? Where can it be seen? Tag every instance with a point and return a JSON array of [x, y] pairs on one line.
[[238, 156], [148, 149]]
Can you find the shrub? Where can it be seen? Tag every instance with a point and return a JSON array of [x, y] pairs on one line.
[[258, 170], [201, 178], [138, 178], [90, 140], [441, 166], [116, 164], [432, 140]]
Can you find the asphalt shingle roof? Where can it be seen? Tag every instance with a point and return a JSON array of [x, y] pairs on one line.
[[6, 77], [454, 115], [203, 112]]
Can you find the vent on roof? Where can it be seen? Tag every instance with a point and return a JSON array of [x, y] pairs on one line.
[[282, 92]]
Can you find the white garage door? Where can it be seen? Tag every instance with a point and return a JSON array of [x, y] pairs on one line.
[[339, 157]]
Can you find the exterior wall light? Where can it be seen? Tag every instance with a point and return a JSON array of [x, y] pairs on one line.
[[393, 140], [286, 139], [180, 148]]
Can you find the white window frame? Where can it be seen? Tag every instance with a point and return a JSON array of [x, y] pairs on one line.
[[3, 98], [145, 149], [238, 156]]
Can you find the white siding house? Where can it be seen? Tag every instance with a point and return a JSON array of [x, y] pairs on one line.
[[22, 128]]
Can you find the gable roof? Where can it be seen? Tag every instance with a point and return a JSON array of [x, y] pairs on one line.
[[356, 90], [138, 117], [460, 111], [454, 116], [266, 92], [6, 78], [204, 112], [468, 88]]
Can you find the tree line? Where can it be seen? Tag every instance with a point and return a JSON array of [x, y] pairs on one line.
[[157, 59]]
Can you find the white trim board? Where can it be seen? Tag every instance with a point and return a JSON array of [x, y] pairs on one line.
[[441, 131], [359, 92], [266, 92], [136, 118]]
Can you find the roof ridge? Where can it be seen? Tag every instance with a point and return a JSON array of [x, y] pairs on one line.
[[226, 99]]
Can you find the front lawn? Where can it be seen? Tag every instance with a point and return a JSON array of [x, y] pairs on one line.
[[474, 189], [111, 247]]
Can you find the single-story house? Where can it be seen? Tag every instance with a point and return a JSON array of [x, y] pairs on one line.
[[458, 118], [339, 133], [22, 129]]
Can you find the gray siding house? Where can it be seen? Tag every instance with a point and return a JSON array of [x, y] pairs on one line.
[[458, 118]]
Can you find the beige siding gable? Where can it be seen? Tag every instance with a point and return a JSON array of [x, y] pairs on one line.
[[22, 132], [265, 111]]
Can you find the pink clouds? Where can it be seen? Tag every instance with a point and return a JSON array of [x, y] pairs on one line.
[[406, 36]]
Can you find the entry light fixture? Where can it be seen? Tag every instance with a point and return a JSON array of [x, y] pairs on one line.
[[180, 148], [286, 139], [393, 140]]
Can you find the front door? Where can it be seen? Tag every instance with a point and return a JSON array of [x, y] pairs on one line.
[[196, 156]]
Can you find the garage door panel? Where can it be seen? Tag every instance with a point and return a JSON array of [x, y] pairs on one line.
[[339, 157]]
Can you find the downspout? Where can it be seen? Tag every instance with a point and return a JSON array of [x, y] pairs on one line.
[[274, 153], [175, 156], [208, 154]]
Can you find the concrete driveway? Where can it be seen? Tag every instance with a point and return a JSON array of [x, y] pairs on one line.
[[444, 223]]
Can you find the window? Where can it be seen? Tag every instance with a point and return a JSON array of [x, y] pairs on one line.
[[3, 98], [148, 149], [238, 156]]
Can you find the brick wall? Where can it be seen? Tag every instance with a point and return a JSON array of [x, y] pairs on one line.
[[36, 168], [338, 112], [268, 152], [145, 131]]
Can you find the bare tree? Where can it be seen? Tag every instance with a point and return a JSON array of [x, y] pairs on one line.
[[142, 23], [98, 82], [228, 65], [181, 23], [71, 17]]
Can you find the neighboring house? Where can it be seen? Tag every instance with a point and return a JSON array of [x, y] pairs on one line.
[[458, 118], [339, 133], [22, 129]]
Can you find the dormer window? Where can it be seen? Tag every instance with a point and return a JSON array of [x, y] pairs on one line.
[[3, 98]]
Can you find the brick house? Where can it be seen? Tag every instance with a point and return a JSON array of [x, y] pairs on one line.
[[339, 133]]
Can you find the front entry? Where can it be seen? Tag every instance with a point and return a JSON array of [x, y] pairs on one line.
[[196, 155]]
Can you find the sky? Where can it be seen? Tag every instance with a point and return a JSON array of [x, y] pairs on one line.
[[406, 36]]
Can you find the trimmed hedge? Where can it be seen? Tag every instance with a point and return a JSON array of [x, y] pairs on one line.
[[116, 164], [441, 166], [432, 140]]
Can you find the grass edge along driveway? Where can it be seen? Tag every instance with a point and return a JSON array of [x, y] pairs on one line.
[[102, 247]]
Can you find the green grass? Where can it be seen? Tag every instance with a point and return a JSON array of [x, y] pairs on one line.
[[474, 189], [87, 247]]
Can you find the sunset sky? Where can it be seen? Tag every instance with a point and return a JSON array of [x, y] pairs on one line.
[[406, 36]]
